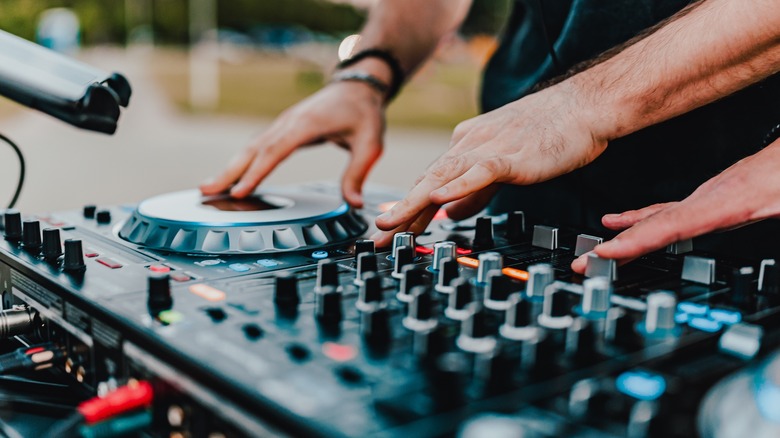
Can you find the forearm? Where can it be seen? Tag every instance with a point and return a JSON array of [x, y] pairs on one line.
[[410, 29], [711, 51]]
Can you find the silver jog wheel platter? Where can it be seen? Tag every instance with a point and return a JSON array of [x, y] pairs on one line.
[[270, 220]]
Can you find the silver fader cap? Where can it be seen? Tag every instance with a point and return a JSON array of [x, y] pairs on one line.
[[597, 267], [403, 239], [540, 276], [595, 295], [545, 237], [698, 270], [488, 261], [586, 243], [441, 251], [661, 308]]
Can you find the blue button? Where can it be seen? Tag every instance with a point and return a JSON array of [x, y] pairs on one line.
[[209, 262], [319, 255], [641, 385], [267, 263], [692, 308], [681, 317], [705, 324], [726, 316], [239, 267]]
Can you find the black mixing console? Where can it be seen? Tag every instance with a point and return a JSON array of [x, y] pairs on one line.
[[299, 326]]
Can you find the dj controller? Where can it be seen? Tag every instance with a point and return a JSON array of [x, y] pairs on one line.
[[276, 316]]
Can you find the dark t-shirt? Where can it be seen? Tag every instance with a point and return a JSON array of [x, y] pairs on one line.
[[662, 163]]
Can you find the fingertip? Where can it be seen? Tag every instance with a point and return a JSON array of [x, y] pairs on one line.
[[240, 190], [578, 265], [353, 198]]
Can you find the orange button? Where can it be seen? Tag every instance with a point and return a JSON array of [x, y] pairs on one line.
[[517, 274], [207, 292], [468, 261], [339, 352]]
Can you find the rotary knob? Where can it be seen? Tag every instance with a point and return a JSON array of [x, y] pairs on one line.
[[403, 256], [556, 309], [103, 217], [441, 251], [327, 274], [487, 262], [596, 295], [12, 226], [661, 308], [459, 299], [31, 232], [52, 244], [286, 290], [580, 341], [366, 262], [518, 319], [420, 313], [370, 293], [448, 271], [328, 306], [515, 226], [475, 336], [159, 293], [364, 245], [89, 211], [411, 277], [375, 326], [74, 256], [540, 276], [499, 288], [401, 240], [483, 233]]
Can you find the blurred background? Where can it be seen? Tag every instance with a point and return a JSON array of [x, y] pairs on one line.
[[207, 76]]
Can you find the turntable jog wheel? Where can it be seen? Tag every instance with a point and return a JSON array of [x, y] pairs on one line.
[[271, 220]]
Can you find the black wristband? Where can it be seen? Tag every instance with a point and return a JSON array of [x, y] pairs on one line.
[[398, 75]]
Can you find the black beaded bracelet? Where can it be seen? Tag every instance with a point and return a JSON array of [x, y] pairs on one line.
[[398, 75]]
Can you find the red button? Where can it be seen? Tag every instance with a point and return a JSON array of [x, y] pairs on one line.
[[180, 277], [462, 251], [159, 268], [113, 264], [339, 352], [90, 253], [424, 250]]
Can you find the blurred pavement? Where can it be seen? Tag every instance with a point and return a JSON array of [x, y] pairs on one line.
[[158, 149]]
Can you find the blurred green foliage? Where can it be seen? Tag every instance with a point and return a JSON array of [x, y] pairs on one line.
[[103, 21]]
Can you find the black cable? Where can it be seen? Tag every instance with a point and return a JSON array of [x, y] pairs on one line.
[[21, 169], [548, 40]]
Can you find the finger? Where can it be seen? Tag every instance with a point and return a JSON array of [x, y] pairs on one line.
[[471, 204], [230, 175], [416, 225], [364, 156], [418, 198], [479, 176], [629, 218], [267, 158]]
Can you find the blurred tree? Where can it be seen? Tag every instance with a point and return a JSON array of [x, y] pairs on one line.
[[486, 17]]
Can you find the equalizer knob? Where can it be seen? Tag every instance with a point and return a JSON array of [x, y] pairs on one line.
[[515, 226], [375, 326], [159, 293], [286, 290], [518, 319], [364, 245], [403, 239], [31, 232], [103, 217], [499, 288], [74, 256], [441, 251], [596, 295], [52, 244], [420, 312], [12, 223], [328, 307], [448, 271], [327, 274], [370, 293], [459, 299], [659, 319], [403, 256], [89, 211], [540, 276], [556, 309], [366, 262], [488, 261], [475, 336], [483, 233], [410, 278], [580, 341]]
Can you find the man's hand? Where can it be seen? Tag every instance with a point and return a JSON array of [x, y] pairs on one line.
[[348, 114], [534, 139], [747, 192]]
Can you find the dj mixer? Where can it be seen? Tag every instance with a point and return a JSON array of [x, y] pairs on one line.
[[276, 316]]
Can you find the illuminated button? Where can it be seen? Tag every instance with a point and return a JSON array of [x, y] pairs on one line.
[[705, 324], [462, 251], [469, 262], [681, 317], [692, 308], [159, 268], [239, 267], [90, 253], [339, 352], [209, 262], [105, 261], [424, 250], [207, 292], [267, 263], [180, 277], [728, 317], [517, 274], [170, 316], [641, 385], [319, 255]]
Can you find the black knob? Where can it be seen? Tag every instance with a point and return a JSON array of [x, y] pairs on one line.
[[411, 277], [31, 235], [448, 376], [286, 290], [89, 211], [327, 274], [74, 256], [519, 312], [159, 293], [483, 233], [366, 262], [12, 226], [493, 370], [52, 243], [459, 299], [428, 345], [742, 293], [498, 291], [404, 255], [328, 305], [421, 307], [476, 323], [538, 353], [620, 327], [370, 293], [448, 271], [515, 226], [375, 326], [103, 217], [580, 341], [362, 246]]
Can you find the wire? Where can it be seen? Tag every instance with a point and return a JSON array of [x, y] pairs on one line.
[[548, 40], [21, 169]]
